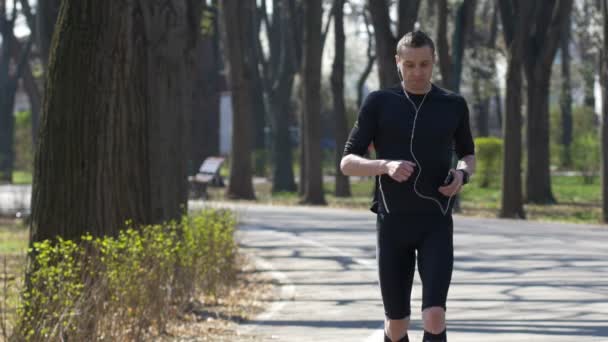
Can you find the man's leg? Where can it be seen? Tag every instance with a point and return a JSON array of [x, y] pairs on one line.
[[396, 264], [435, 263]]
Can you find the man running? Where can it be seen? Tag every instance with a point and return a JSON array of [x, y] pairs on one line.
[[415, 128]]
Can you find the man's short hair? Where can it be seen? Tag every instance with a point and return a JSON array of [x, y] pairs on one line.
[[415, 39]]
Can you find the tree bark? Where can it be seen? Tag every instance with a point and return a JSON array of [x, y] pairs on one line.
[[604, 125], [342, 183], [515, 15], [541, 47], [386, 42], [311, 103], [113, 139], [236, 23], [566, 94]]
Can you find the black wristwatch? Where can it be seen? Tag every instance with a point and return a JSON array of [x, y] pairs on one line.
[[465, 176]]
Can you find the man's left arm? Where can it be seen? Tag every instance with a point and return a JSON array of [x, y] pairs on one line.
[[465, 149]]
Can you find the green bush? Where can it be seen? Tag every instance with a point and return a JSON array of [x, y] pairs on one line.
[[488, 153], [584, 121], [586, 155], [125, 287]]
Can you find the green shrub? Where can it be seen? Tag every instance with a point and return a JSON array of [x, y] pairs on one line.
[[125, 287], [488, 153], [586, 155]]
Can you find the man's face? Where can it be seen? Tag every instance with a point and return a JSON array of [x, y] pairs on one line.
[[416, 65]]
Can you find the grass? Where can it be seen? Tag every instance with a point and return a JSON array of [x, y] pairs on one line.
[[577, 202], [22, 177], [13, 246]]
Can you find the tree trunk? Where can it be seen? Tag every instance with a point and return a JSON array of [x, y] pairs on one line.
[[451, 62], [311, 103], [566, 94], [283, 177], [371, 58], [236, 23], [386, 43], [514, 31], [481, 107], [279, 72], [205, 122], [31, 85], [498, 102], [604, 126], [113, 138], [337, 87], [8, 88], [258, 107], [541, 47], [538, 177], [586, 47]]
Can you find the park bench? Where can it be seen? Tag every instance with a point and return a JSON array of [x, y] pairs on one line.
[[208, 174]]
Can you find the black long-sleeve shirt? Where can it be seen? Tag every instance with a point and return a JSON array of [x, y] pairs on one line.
[[386, 118]]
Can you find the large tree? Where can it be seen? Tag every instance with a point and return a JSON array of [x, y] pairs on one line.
[[236, 23], [386, 41], [604, 126], [542, 41], [311, 102], [337, 88], [113, 139], [515, 15]]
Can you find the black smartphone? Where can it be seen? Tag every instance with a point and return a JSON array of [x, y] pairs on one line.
[[449, 178]]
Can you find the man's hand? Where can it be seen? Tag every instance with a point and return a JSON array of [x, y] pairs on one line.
[[454, 187], [400, 170]]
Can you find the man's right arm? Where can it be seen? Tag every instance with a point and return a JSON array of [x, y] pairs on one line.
[[354, 165]]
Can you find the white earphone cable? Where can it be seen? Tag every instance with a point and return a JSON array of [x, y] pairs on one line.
[[417, 109]]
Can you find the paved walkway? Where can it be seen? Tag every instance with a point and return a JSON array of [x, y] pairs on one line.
[[512, 281]]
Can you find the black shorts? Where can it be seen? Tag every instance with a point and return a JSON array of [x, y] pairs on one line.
[[400, 238]]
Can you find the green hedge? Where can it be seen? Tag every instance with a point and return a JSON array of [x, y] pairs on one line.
[[488, 154]]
